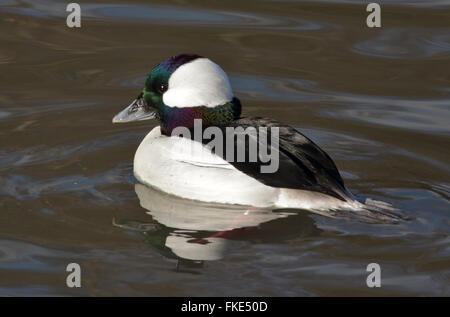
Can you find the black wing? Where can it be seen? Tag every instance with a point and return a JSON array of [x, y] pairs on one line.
[[302, 164]]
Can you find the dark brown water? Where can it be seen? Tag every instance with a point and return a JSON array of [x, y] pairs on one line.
[[377, 100]]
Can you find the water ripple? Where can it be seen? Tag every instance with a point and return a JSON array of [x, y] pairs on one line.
[[432, 4], [41, 154], [165, 15], [406, 43], [25, 111], [424, 114], [430, 115], [23, 187]]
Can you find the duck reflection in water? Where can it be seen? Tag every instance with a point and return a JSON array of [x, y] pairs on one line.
[[193, 232]]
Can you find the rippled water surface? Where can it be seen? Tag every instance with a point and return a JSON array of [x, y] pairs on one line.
[[377, 100]]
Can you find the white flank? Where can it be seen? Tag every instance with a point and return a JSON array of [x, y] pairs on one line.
[[198, 83], [182, 167]]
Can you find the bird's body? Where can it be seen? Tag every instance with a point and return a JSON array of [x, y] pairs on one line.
[[187, 170], [185, 89]]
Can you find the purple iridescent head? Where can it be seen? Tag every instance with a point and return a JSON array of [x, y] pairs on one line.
[[183, 88]]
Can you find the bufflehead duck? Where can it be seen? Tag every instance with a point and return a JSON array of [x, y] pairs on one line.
[[186, 88]]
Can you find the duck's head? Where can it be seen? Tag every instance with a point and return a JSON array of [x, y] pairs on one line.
[[183, 88]]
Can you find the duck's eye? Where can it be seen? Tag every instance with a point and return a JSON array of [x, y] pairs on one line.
[[162, 88]]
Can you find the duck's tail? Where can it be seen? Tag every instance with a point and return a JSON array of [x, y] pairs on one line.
[[372, 211], [348, 207]]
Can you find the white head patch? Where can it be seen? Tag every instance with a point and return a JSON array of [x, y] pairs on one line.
[[198, 83]]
